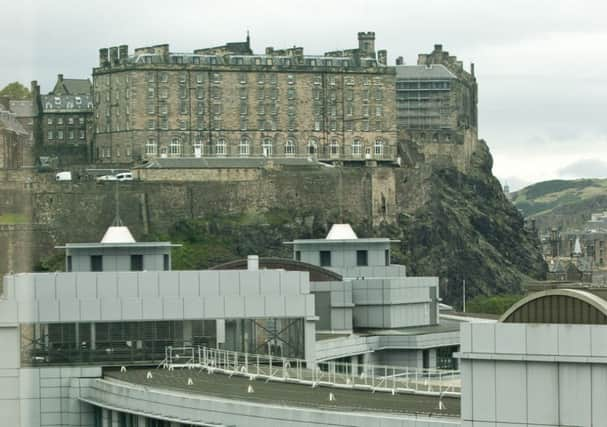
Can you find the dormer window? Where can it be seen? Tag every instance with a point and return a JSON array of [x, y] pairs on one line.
[[57, 100], [78, 100]]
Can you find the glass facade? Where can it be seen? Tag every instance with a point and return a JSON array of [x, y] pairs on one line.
[[132, 342]]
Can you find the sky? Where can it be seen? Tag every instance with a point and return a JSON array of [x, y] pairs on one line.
[[541, 65]]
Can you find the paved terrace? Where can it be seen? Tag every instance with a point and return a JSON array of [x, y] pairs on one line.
[[286, 394]]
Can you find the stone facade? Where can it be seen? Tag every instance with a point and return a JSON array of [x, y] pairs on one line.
[[13, 141], [437, 102], [228, 102], [64, 118]]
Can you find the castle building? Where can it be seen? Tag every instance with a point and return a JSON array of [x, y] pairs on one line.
[[436, 102], [226, 101], [64, 117], [14, 140]]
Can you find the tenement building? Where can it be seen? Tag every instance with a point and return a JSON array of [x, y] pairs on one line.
[[436, 103], [66, 112], [227, 101]]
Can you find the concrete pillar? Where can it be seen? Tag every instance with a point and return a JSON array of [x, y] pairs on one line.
[[310, 340], [432, 358], [187, 332], [106, 417], [141, 421]]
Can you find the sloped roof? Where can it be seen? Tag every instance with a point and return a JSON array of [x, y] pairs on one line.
[[341, 232], [72, 87], [66, 103], [22, 108], [117, 234], [423, 72]]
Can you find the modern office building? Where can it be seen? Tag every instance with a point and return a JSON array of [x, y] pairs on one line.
[[543, 364]]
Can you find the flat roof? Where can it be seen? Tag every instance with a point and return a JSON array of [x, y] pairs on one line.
[[119, 245], [444, 326], [287, 394], [329, 241]]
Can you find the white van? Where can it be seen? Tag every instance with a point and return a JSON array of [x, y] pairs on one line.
[[124, 176], [63, 176]]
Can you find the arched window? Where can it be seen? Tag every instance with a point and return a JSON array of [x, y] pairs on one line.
[[290, 147], [199, 147], [312, 147], [175, 148], [266, 147], [334, 148], [220, 148], [379, 147], [244, 147], [356, 145], [151, 147]]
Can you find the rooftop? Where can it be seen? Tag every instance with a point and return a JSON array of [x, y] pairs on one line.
[[286, 394], [424, 72]]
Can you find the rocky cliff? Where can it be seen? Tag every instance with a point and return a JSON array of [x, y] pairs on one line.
[[453, 225]]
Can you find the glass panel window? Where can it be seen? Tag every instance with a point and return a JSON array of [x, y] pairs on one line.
[[325, 258], [266, 147], [244, 147], [362, 258], [175, 147], [356, 148], [220, 148], [290, 147], [96, 263], [150, 147], [136, 262]]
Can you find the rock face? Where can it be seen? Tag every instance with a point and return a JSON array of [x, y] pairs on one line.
[[453, 225]]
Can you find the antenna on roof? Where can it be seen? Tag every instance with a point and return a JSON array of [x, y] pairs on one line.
[[117, 221], [248, 37]]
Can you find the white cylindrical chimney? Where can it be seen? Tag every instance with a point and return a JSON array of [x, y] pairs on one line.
[[253, 263]]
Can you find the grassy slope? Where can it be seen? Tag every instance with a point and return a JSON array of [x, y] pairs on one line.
[[562, 202]]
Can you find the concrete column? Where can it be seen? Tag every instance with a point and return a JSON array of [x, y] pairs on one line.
[[106, 418], [93, 337], [141, 421], [310, 340], [187, 332], [432, 363], [115, 419]]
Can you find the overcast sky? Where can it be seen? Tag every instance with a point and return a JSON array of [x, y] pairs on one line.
[[541, 65]]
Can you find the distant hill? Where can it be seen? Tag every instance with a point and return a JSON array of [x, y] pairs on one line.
[[562, 203]]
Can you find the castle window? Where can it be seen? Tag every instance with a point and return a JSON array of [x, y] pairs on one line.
[[379, 110], [175, 147], [151, 92], [333, 124], [317, 80], [183, 125], [291, 93], [242, 78], [273, 79], [78, 100], [81, 120], [331, 78], [217, 123], [260, 93], [366, 125], [217, 108], [290, 147], [274, 93], [163, 108], [50, 134], [356, 148], [365, 110], [244, 123], [200, 123], [312, 146], [244, 107], [266, 147], [81, 133], [261, 78], [261, 108], [243, 93], [183, 76], [216, 92], [151, 124], [349, 109], [220, 148], [183, 91], [164, 76], [57, 100], [349, 80], [199, 77], [198, 147], [378, 94], [59, 134], [151, 108], [379, 148], [317, 123], [244, 147], [291, 123], [291, 79], [163, 93], [378, 125], [70, 134], [183, 107], [49, 121], [261, 124], [150, 147], [200, 108], [60, 120], [216, 78], [70, 105], [334, 148]]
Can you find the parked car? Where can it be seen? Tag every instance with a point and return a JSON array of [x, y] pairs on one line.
[[107, 178], [63, 176], [124, 176]]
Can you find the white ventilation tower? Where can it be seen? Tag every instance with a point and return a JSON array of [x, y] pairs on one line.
[[341, 232]]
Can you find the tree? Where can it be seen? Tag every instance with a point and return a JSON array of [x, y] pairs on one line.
[[15, 90]]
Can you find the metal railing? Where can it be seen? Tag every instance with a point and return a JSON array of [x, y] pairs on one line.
[[385, 378]]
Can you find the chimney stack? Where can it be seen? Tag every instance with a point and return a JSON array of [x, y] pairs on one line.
[[382, 56], [400, 61], [113, 55], [103, 57], [472, 69], [123, 52]]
